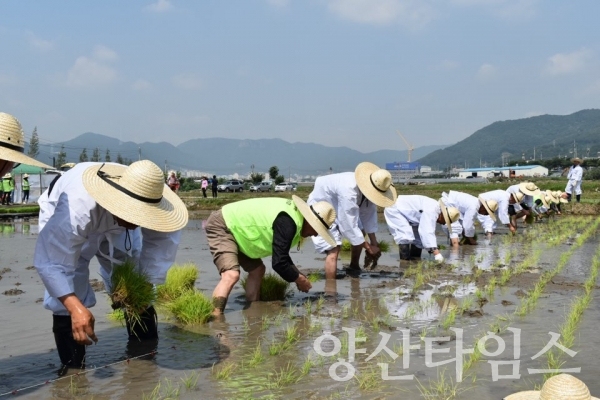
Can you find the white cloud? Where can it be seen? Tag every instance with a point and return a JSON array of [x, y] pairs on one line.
[[160, 6], [410, 13], [486, 72], [279, 3], [561, 63], [140, 85], [94, 71], [187, 81], [38, 43]]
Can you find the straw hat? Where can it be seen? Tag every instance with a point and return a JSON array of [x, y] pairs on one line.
[[136, 194], [12, 144], [558, 194], [576, 160], [451, 214], [7, 176], [491, 206], [320, 216], [25, 176], [529, 188], [544, 200], [559, 387], [550, 197], [376, 184], [518, 197]]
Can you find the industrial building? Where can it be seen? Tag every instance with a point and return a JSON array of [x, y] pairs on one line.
[[403, 170], [515, 171]]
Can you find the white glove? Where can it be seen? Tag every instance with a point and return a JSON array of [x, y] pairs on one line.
[[439, 258]]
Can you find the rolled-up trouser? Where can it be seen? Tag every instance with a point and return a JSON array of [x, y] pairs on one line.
[[71, 353]]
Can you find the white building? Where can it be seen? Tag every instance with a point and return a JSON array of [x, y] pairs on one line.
[[516, 171]]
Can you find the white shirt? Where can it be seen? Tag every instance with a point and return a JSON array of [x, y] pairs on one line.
[[468, 206], [354, 210], [527, 199], [502, 197], [418, 211], [575, 173], [74, 228]]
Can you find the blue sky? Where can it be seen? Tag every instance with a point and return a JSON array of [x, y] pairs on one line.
[[335, 72]]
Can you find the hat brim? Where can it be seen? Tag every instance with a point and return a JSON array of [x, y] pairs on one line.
[[487, 208], [444, 210], [20, 158], [530, 395], [168, 215], [362, 173], [524, 190], [551, 196], [576, 160], [313, 221]]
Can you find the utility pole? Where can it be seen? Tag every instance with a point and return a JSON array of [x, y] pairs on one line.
[[139, 153], [165, 167]]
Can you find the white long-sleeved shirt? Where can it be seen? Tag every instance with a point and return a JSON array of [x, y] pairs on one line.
[[468, 206], [527, 199], [74, 228], [575, 173], [502, 197], [354, 210], [418, 211]]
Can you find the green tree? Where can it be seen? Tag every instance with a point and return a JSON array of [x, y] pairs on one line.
[[255, 177], [83, 157], [96, 155], [62, 156], [120, 159], [34, 144], [107, 156], [273, 172], [279, 179]]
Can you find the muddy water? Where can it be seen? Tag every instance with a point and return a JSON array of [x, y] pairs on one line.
[[376, 304]]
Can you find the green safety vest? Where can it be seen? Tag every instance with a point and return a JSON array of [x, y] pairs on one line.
[[251, 223], [7, 185], [25, 184]]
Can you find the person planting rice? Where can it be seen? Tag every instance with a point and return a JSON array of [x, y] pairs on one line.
[[355, 197], [95, 209], [12, 145], [242, 233], [469, 207], [412, 222], [505, 200], [523, 208]]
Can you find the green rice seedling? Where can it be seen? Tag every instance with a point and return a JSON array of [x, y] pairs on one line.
[[345, 341], [192, 307], [443, 388], [257, 356], [278, 319], [277, 348], [317, 327], [375, 324], [368, 380], [467, 303], [224, 372], [423, 333], [320, 302], [505, 277], [369, 304], [266, 322], [450, 319], [190, 381], [345, 311], [116, 315], [384, 246], [314, 277], [306, 366], [291, 312], [398, 348], [180, 279], [131, 290], [165, 390], [331, 323], [285, 376], [272, 288], [360, 332], [346, 245], [291, 334], [245, 324]]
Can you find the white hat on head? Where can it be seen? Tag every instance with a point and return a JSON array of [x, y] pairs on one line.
[[529, 188], [450, 214], [550, 197], [558, 387], [25, 176], [12, 144], [376, 184], [491, 207], [136, 194], [518, 196], [320, 216]]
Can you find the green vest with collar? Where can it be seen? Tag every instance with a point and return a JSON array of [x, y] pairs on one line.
[[25, 184], [251, 223], [7, 184]]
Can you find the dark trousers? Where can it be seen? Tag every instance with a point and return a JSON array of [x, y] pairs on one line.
[[214, 192], [25, 196], [204, 192]]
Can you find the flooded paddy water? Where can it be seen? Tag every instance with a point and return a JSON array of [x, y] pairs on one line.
[[393, 332]]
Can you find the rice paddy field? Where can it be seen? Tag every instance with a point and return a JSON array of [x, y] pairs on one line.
[[494, 319]]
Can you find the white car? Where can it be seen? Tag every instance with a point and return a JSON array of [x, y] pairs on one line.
[[284, 187]]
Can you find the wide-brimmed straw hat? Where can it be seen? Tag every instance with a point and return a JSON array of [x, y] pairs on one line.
[[550, 197], [529, 188], [576, 160], [136, 194], [12, 144], [544, 199], [451, 214], [558, 194], [376, 184], [559, 387], [25, 176], [491, 207], [320, 216], [518, 197]]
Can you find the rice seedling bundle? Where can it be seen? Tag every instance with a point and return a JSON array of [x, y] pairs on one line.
[[131, 290], [192, 307], [180, 279], [272, 287]]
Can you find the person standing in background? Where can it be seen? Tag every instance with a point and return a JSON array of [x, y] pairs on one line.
[[25, 186], [204, 186], [214, 185], [575, 176], [173, 182]]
